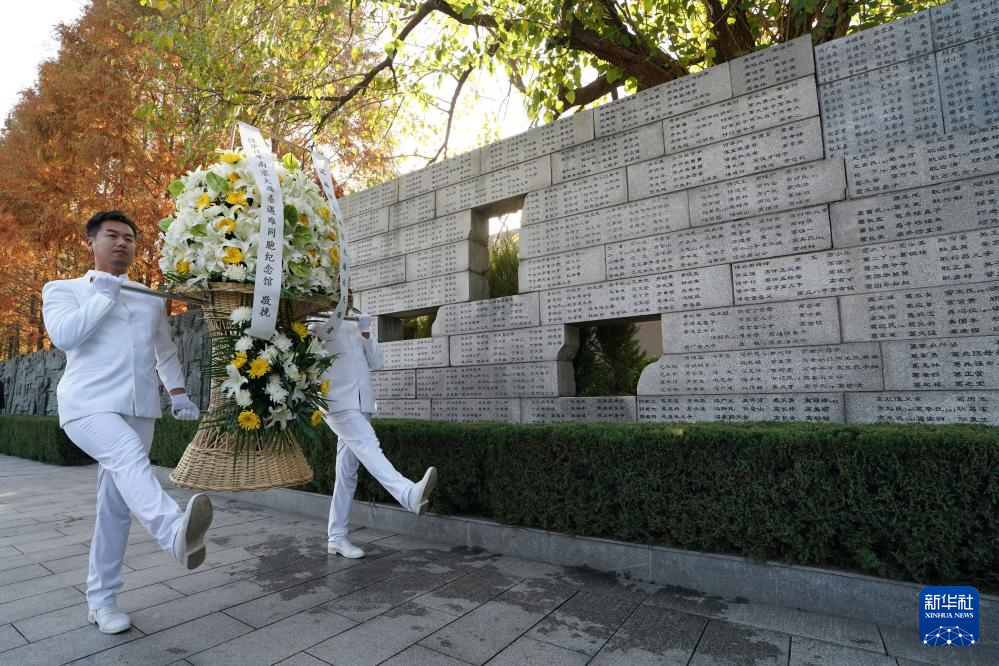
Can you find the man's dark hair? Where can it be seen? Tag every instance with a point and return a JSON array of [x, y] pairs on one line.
[[94, 223]]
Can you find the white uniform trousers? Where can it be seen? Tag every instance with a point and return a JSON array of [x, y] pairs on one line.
[[357, 443], [125, 481]]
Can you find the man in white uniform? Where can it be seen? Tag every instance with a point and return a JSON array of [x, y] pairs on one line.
[[115, 343], [350, 402]]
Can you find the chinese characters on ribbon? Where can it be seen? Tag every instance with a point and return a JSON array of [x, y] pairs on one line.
[[267, 287]]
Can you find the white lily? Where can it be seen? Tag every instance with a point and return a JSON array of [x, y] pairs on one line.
[[234, 383]]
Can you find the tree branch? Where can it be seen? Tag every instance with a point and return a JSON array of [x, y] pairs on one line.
[[340, 101], [731, 40], [450, 114], [589, 93], [651, 69]]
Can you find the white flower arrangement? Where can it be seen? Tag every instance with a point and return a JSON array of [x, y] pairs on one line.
[[213, 234], [272, 382]]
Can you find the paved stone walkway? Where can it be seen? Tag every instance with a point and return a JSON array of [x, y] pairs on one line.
[[268, 593]]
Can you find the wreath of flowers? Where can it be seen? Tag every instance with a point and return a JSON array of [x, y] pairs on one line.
[[213, 235], [269, 385]]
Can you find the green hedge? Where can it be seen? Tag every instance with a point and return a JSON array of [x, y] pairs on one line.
[[916, 503], [39, 438]]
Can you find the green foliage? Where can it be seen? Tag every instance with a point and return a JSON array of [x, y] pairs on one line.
[[276, 64], [388, 55], [232, 371], [170, 439], [609, 360], [918, 503], [39, 438], [416, 328], [504, 262]]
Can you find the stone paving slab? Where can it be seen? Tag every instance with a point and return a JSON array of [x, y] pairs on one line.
[[806, 651], [382, 637], [728, 643], [468, 592], [10, 638], [585, 622], [21, 609], [58, 621], [278, 605], [417, 654], [269, 593], [39, 556], [276, 641]]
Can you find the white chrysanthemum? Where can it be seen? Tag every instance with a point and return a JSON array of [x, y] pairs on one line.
[[241, 315], [292, 372], [270, 354], [282, 342], [244, 344], [236, 273], [278, 394], [243, 398]]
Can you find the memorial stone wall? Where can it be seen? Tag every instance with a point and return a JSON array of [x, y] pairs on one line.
[[816, 229]]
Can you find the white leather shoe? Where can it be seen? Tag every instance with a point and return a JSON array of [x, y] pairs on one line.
[[345, 548], [421, 491], [188, 544], [109, 620]]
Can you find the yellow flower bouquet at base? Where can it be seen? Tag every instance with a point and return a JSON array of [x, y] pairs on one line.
[[265, 391]]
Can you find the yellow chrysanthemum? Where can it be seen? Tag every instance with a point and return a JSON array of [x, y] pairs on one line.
[[334, 255], [183, 266], [236, 198], [325, 386], [233, 255], [331, 236], [226, 226], [233, 177], [299, 329], [203, 202], [231, 158], [259, 367], [324, 213], [303, 219], [239, 360], [248, 420], [317, 416]]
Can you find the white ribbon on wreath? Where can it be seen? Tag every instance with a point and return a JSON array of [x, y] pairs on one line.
[[322, 166], [270, 244]]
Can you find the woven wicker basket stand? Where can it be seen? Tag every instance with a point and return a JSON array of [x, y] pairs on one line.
[[208, 463]]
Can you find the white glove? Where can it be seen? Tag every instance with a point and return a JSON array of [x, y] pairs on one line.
[[183, 408], [107, 284], [364, 322]]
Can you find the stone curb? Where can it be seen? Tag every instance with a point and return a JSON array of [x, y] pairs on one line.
[[825, 591]]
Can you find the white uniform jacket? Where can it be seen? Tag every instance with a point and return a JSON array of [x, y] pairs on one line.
[[114, 350], [350, 376]]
